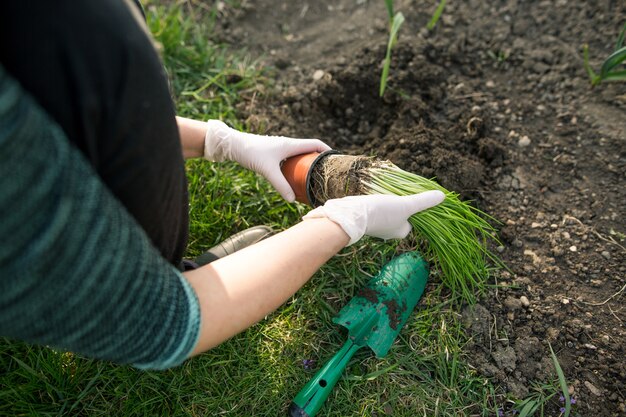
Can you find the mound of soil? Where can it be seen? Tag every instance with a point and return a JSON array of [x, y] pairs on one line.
[[495, 104]]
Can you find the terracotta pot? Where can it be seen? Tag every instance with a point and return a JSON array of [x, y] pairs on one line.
[[297, 170]]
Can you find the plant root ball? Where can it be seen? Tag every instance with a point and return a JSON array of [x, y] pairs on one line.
[[336, 176]]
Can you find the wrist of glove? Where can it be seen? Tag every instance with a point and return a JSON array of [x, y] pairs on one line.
[[261, 154], [382, 216]]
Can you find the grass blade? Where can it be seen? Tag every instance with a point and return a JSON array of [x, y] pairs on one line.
[[529, 408], [562, 382], [436, 15]]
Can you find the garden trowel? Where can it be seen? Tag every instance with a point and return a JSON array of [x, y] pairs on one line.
[[373, 318]]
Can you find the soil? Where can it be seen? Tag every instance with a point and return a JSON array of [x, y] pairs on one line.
[[496, 105], [393, 313], [368, 294]]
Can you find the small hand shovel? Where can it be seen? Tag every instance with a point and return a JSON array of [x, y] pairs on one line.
[[373, 318]]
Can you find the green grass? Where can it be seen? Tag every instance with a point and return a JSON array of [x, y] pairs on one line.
[[258, 372]]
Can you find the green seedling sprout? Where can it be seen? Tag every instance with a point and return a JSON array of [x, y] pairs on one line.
[[397, 21], [454, 234], [389, 5], [436, 15], [609, 70]]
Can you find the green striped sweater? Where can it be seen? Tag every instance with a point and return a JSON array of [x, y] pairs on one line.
[[76, 271]]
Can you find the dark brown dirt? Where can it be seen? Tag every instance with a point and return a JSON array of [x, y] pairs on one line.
[[368, 294], [393, 313], [495, 104]]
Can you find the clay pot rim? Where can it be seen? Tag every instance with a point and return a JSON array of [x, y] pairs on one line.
[[309, 195]]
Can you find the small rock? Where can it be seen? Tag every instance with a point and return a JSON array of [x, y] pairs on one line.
[[523, 142], [573, 248], [593, 389], [490, 84], [590, 346], [606, 254], [565, 301], [524, 300], [565, 235], [500, 249], [318, 74], [513, 303]]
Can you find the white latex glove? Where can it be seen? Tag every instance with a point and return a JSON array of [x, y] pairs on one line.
[[261, 154], [383, 216]]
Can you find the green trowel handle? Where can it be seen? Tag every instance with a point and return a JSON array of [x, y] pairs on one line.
[[311, 398]]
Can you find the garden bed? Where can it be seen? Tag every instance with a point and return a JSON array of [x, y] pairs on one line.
[[496, 105]]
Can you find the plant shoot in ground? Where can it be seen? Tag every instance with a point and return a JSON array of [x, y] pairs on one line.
[[433, 20], [395, 23], [611, 69]]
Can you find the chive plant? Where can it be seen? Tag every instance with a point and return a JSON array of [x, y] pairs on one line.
[[454, 234], [610, 69]]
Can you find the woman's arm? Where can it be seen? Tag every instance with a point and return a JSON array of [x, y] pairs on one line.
[[237, 291], [192, 133]]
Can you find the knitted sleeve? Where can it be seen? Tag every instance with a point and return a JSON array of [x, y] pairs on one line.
[[76, 272]]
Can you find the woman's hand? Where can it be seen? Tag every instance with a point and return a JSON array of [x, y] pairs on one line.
[[261, 154], [383, 216]]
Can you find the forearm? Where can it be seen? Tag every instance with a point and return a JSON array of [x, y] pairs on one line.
[[237, 291], [192, 133]]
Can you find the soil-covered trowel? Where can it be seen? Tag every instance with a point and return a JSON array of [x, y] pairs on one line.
[[373, 318]]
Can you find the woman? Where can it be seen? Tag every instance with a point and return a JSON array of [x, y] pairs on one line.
[[93, 197]]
